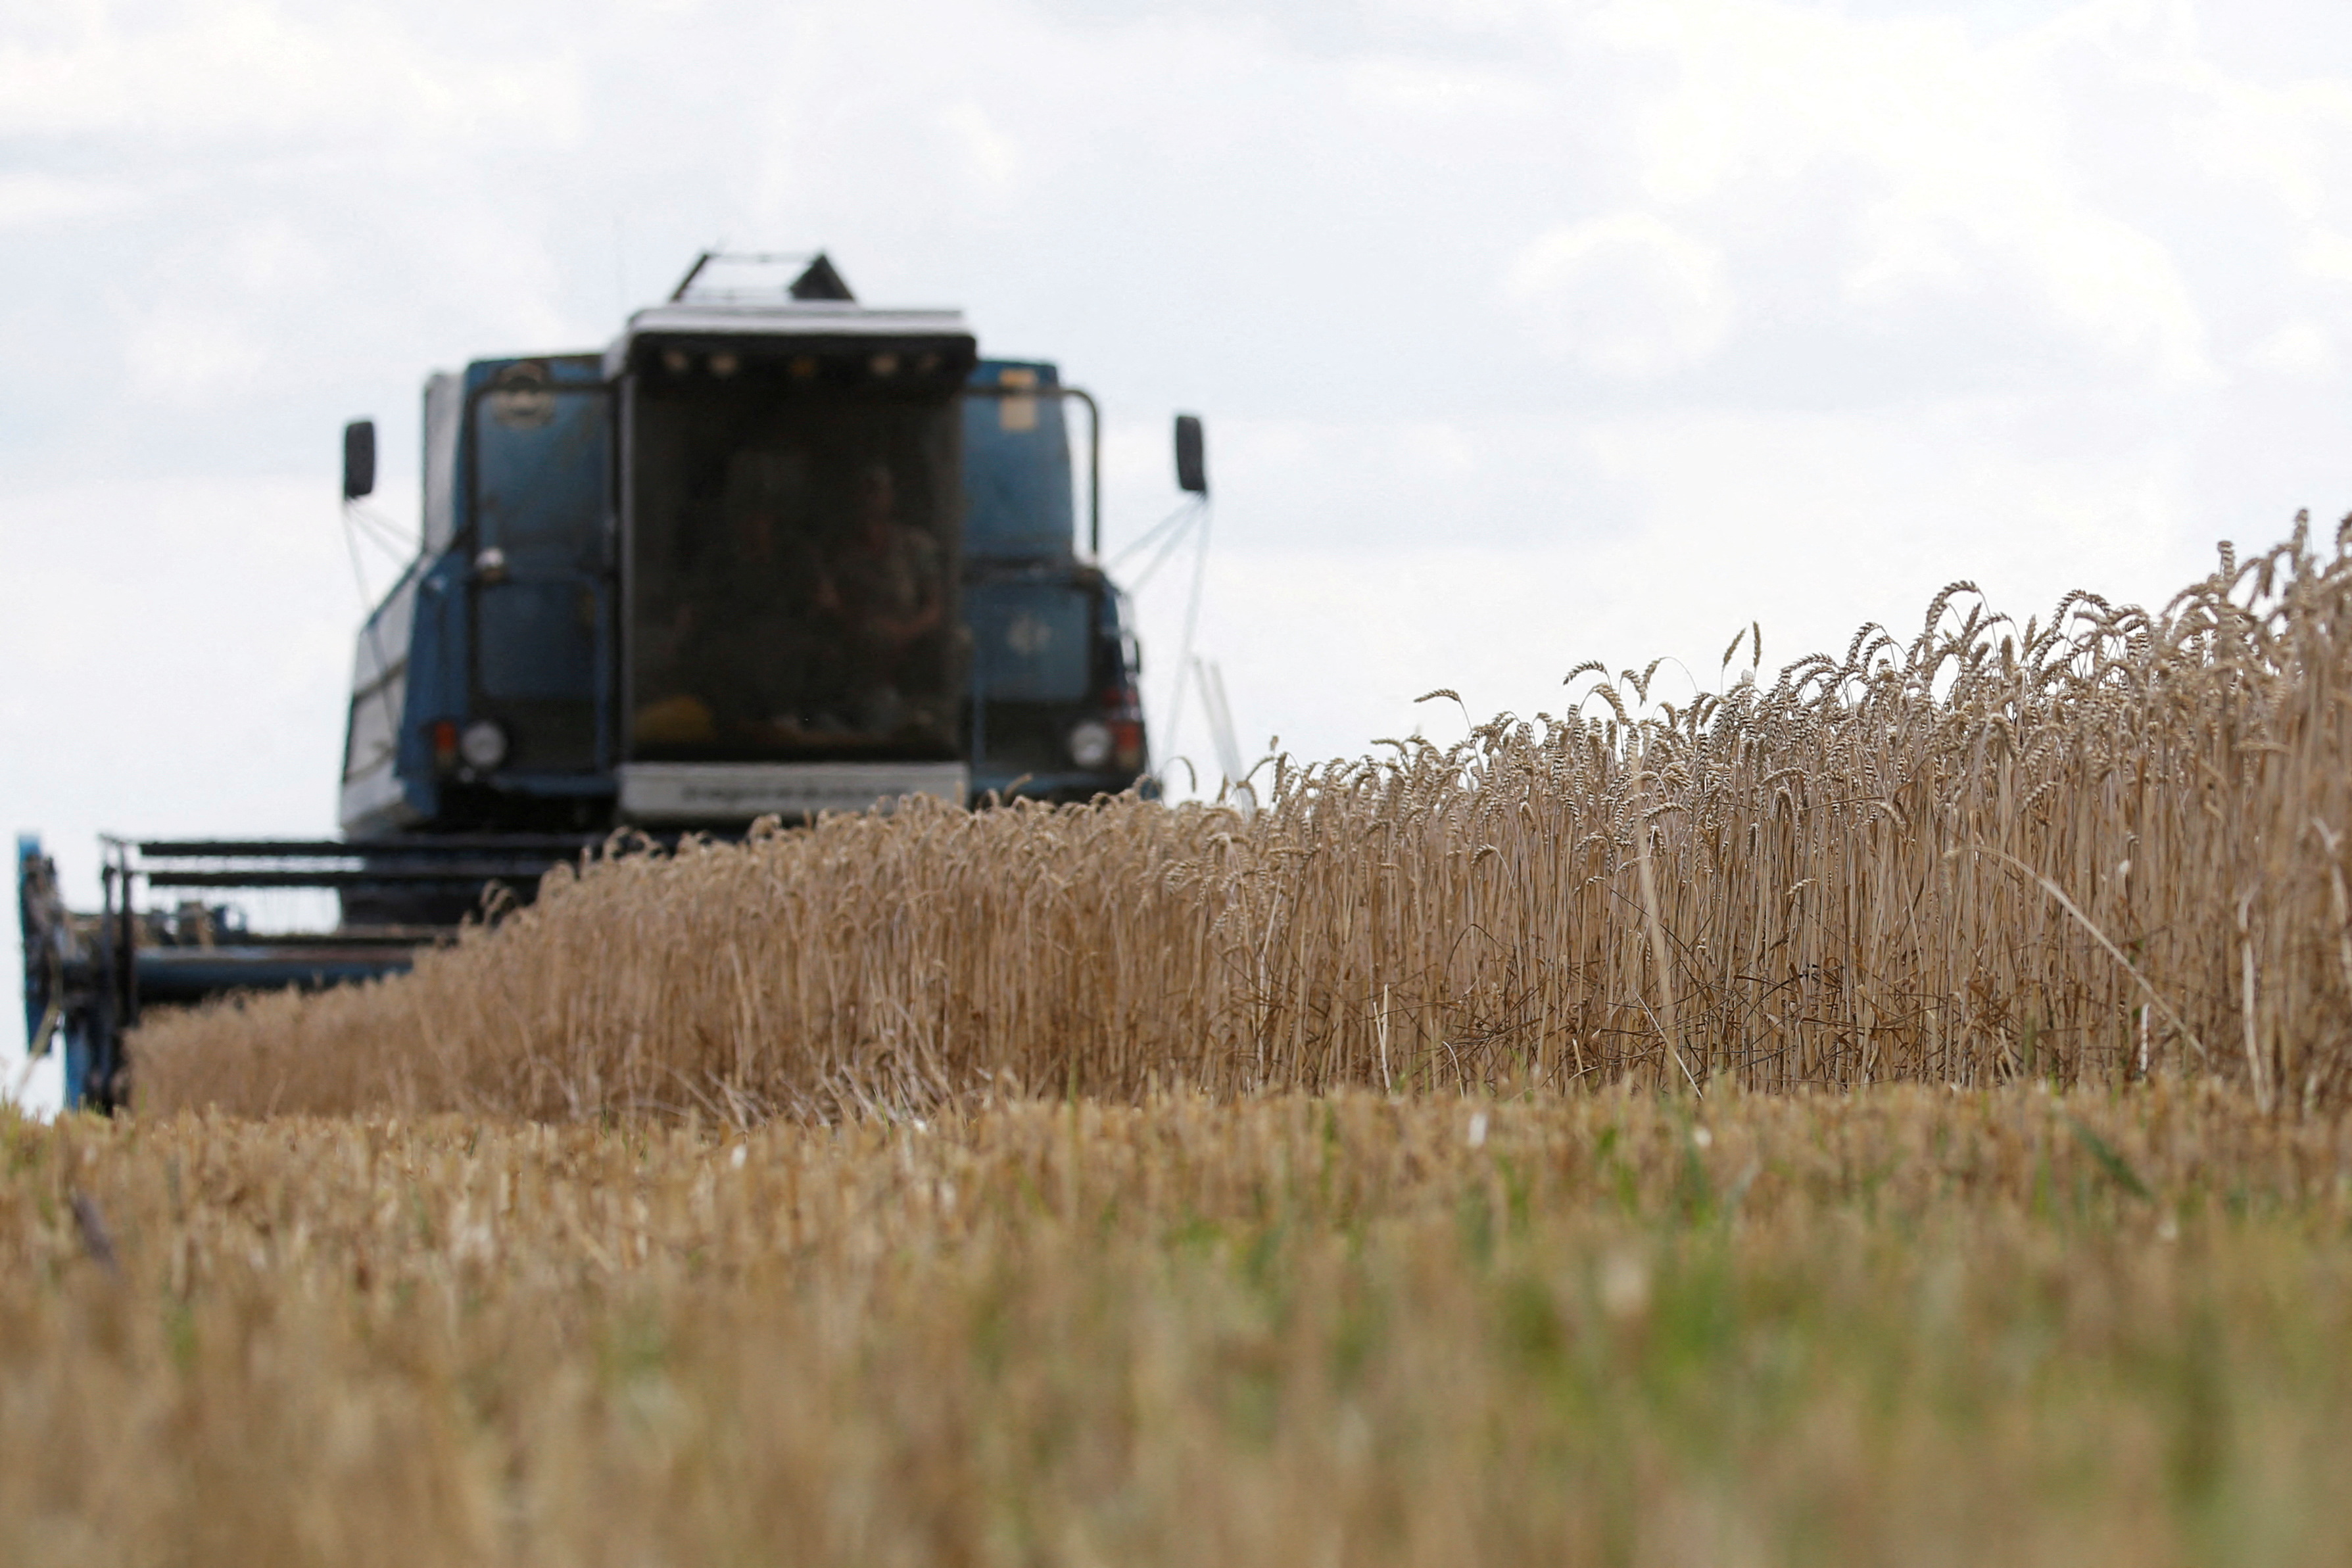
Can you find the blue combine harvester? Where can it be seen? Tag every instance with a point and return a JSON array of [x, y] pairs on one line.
[[769, 554]]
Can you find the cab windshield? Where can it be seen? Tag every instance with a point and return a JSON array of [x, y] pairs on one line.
[[793, 548]]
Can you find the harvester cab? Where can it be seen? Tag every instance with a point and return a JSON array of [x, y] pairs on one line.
[[772, 552]]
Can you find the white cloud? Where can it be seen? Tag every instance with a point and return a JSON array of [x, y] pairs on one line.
[[991, 155], [1950, 159], [1628, 295], [177, 355], [37, 202], [270, 68], [275, 256], [2102, 283], [1446, 90], [2290, 140], [2300, 349], [2326, 254]]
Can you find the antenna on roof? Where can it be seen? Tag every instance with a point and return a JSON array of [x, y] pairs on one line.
[[691, 274]]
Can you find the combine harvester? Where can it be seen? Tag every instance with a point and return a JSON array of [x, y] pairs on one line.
[[773, 553]]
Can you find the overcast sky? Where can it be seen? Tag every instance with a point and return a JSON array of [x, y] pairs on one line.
[[1525, 333]]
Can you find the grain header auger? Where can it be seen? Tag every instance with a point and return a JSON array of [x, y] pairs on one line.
[[770, 553]]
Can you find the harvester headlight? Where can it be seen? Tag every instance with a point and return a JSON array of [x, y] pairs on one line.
[[1090, 743], [483, 745]]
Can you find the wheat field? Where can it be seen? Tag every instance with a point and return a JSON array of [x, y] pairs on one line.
[[1909, 1326], [1896, 1110], [2089, 851]]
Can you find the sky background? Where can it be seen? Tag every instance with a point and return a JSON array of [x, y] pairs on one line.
[[1525, 333]]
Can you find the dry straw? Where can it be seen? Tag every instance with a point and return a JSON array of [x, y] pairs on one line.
[[1905, 1327], [2099, 848]]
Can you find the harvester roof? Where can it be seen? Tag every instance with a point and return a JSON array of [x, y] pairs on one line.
[[816, 305], [781, 320]]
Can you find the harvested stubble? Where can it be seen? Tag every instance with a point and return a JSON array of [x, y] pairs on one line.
[[2106, 848], [1906, 1326]]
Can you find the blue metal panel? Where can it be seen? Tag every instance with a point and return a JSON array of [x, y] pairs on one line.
[[539, 637], [438, 659], [1032, 640], [1016, 467], [379, 715], [436, 678], [539, 461], [542, 461], [29, 851], [534, 467], [75, 1037]]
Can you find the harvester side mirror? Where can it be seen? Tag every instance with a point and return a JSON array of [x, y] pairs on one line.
[[1191, 455], [359, 459]]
